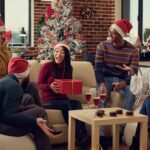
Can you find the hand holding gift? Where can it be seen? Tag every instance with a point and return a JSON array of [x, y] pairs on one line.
[[68, 86], [55, 87]]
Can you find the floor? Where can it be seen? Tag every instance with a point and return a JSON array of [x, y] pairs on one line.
[[64, 147]]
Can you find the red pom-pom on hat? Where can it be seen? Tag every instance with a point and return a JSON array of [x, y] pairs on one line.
[[122, 26], [2, 26], [19, 67]]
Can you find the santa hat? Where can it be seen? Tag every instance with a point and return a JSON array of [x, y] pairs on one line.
[[64, 44], [2, 27], [19, 67], [122, 26]]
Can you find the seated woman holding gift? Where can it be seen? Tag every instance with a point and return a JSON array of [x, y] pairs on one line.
[[60, 68]]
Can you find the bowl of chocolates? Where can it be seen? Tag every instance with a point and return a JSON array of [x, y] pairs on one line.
[[113, 114], [119, 111], [100, 113], [129, 113]]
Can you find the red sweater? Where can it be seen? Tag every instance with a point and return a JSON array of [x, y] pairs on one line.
[[46, 77]]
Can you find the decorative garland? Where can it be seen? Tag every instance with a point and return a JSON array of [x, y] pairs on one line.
[[86, 13]]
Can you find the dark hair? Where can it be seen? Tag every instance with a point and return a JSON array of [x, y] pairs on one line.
[[66, 64]]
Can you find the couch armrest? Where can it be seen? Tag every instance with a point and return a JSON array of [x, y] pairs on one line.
[[55, 116]]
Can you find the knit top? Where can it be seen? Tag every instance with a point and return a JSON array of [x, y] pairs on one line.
[[46, 77], [108, 56]]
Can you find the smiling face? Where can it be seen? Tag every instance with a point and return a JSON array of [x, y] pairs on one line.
[[59, 55], [114, 35]]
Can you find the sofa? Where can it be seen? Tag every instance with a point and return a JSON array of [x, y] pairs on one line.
[[81, 70]]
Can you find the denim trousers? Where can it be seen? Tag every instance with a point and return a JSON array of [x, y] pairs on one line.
[[128, 97], [65, 106], [145, 110]]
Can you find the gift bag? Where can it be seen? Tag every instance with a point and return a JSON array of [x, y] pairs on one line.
[[136, 83]]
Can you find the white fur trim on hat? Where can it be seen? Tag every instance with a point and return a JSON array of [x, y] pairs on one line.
[[2, 28], [62, 44], [23, 74], [117, 28]]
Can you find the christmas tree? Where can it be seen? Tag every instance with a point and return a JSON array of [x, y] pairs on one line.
[[58, 25]]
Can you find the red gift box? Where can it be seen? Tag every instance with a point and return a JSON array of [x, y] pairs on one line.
[[68, 86]]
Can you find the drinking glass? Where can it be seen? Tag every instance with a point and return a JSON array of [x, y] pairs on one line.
[[115, 80], [96, 101], [88, 97], [102, 97]]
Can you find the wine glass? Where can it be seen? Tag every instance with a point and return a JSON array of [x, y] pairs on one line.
[[88, 97], [102, 98], [115, 80], [96, 101]]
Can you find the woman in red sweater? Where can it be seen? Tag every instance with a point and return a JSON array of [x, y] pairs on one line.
[[60, 68]]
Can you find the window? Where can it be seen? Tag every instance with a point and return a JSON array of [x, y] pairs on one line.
[[146, 20], [137, 11], [17, 16]]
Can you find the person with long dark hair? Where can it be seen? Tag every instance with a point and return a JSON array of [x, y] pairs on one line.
[[60, 68]]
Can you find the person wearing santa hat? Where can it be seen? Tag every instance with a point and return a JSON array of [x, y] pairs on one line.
[[31, 119], [4, 51], [113, 53], [111, 57], [60, 68]]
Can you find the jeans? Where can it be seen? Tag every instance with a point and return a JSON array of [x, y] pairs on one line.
[[65, 106], [145, 110], [128, 97]]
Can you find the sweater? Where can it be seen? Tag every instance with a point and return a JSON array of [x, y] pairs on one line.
[[10, 97], [108, 56], [46, 77]]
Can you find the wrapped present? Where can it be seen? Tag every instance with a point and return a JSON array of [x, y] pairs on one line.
[[68, 86]]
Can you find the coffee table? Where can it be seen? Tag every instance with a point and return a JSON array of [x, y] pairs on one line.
[[88, 116]]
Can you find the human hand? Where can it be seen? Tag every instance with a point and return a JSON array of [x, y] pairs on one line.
[[55, 87], [102, 88], [126, 68], [42, 124], [119, 85]]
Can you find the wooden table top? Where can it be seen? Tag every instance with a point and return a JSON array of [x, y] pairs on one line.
[[89, 116]]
